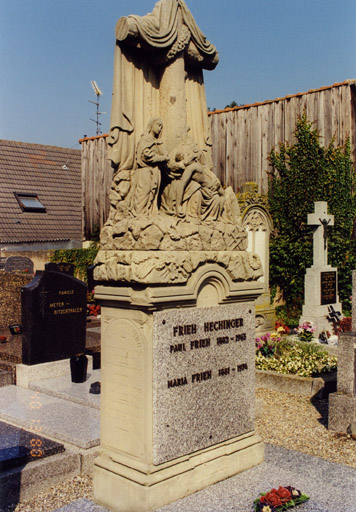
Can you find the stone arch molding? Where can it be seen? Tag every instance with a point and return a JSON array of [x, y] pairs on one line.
[[256, 218]]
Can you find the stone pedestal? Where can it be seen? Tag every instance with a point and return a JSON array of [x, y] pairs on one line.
[[178, 393], [320, 293], [342, 404]]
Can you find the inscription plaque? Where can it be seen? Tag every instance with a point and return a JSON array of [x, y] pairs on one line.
[[328, 292], [203, 378]]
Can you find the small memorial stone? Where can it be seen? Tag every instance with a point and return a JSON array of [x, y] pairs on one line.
[[53, 317], [19, 264]]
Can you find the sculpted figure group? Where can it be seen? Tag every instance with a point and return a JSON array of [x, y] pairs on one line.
[[177, 184], [171, 201]]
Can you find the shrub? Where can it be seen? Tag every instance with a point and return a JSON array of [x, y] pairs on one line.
[[302, 174]]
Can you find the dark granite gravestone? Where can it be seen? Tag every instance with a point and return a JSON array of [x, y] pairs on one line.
[[19, 264], [65, 268], [90, 278], [18, 447], [53, 317], [2, 263]]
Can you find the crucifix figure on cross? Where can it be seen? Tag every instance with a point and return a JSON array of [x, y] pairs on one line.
[[320, 221]]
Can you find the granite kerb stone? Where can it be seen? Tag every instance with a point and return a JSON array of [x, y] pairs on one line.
[[27, 481], [295, 384]]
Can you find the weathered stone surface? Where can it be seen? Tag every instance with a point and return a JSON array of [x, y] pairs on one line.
[[342, 411], [346, 363], [158, 267], [163, 232]]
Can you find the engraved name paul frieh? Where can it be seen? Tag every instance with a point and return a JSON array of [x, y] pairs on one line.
[[203, 377], [211, 327]]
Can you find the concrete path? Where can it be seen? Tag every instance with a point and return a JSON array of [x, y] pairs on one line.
[[331, 487]]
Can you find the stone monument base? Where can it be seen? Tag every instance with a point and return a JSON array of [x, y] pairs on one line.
[[177, 388], [122, 488], [342, 404]]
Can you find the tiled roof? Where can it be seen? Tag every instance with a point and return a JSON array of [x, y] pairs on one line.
[[338, 84], [37, 169]]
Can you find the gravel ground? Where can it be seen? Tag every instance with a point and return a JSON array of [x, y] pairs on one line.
[[290, 421]]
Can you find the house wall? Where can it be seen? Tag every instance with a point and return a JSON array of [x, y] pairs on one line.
[[39, 254]]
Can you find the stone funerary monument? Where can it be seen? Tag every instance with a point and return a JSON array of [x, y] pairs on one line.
[[176, 284]]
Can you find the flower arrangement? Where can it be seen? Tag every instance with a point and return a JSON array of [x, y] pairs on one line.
[[3, 339], [297, 358], [93, 310], [343, 326], [279, 499], [281, 327], [266, 345], [305, 331]]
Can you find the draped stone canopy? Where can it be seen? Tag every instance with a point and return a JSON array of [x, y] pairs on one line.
[[158, 66]]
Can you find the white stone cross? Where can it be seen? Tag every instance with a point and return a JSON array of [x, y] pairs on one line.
[[320, 219]]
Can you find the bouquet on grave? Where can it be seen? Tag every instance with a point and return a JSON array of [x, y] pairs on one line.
[[279, 499]]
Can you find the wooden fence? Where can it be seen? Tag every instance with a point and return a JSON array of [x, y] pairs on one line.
[[96, 182], [242, 139], [243, 136]]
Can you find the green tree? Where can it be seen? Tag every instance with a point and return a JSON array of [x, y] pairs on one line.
[[302, 174]]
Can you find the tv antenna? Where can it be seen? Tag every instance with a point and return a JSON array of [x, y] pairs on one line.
[[98, 114]]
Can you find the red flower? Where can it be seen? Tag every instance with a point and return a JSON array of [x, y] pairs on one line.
[[283, 494], [271, 499]]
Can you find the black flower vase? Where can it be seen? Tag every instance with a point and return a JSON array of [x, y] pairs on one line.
[[78, 368]]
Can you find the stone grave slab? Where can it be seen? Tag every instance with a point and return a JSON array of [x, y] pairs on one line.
[[20, 447], [53, 317], [19, 264]]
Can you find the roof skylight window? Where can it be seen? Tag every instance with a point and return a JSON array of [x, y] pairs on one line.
[[30, 203]]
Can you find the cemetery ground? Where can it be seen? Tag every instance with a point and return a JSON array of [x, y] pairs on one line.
[[293, 427], [289, 421]]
